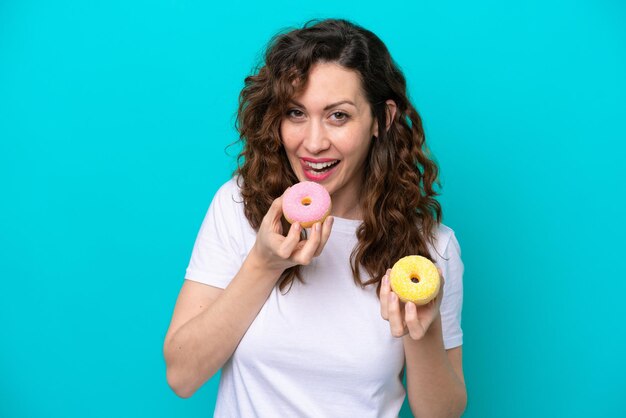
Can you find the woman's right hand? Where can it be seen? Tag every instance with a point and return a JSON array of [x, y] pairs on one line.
[[277, 252]]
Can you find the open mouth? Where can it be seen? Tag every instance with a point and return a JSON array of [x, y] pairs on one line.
[[321, 168]]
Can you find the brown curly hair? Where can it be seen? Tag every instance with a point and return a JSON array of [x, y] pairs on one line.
[[400, 212]]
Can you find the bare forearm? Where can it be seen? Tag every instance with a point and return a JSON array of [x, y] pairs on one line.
[[201, 347], [433, 387]]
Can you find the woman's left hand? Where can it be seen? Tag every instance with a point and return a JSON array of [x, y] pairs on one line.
[[407, 318]]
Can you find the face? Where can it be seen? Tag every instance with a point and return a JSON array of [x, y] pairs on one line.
[[327, 131]]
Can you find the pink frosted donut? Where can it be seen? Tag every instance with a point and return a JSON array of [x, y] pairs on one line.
[[306, 202]]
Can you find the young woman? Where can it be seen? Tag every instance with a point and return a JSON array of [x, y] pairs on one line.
[[303, 322]]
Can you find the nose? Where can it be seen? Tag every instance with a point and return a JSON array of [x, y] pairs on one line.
[[316, 138]]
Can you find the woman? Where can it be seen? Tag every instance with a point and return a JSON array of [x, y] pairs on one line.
[[304, 323]]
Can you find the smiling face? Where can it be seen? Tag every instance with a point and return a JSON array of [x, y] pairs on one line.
[[327, 131]]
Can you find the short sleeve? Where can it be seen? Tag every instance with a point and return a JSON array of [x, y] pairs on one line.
[[452, 304], [218, 250]]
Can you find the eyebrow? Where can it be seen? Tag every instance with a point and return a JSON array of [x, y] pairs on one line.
[[329, 106]]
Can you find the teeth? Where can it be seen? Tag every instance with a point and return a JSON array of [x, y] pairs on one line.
[[319, 166]]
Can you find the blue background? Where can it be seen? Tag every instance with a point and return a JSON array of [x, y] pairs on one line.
[[114, 119]]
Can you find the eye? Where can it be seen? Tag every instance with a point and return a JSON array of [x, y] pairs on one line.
[[295, 113], [340, 116]]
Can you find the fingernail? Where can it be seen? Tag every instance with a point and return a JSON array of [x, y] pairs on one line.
[[317, 227], [296, 226], [385, 279]]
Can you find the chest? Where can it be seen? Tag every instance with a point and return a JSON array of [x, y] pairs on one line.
[[325, 326]]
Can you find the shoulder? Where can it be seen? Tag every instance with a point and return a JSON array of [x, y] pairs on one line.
[[445, 240], [227, 204], [228, 197], [442, 237], [227, 213], [231, 189]]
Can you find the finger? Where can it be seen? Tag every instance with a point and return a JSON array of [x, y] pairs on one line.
[[291, 241], [327, 226], [384, 296], [274, 212], [307, 252], [428, 319], [395, 317], [416, 329]]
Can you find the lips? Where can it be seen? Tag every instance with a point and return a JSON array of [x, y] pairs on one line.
[[318, 169]]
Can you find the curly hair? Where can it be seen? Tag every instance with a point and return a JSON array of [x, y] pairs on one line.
[[400, 212]]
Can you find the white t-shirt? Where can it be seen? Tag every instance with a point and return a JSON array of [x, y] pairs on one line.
[[322, 349]]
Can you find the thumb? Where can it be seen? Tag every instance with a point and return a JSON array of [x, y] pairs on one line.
[[275, 212]]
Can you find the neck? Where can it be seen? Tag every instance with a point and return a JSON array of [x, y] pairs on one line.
[[354, 211]]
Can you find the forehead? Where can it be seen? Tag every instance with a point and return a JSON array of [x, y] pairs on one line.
[[329, 83]]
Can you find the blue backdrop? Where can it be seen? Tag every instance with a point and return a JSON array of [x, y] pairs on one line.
[[114, 118]]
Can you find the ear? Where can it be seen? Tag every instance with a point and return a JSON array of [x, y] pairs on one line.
[[391, 113], [390, 110]]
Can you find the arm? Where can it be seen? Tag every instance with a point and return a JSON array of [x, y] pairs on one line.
[[209, 322], [435, 381]]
